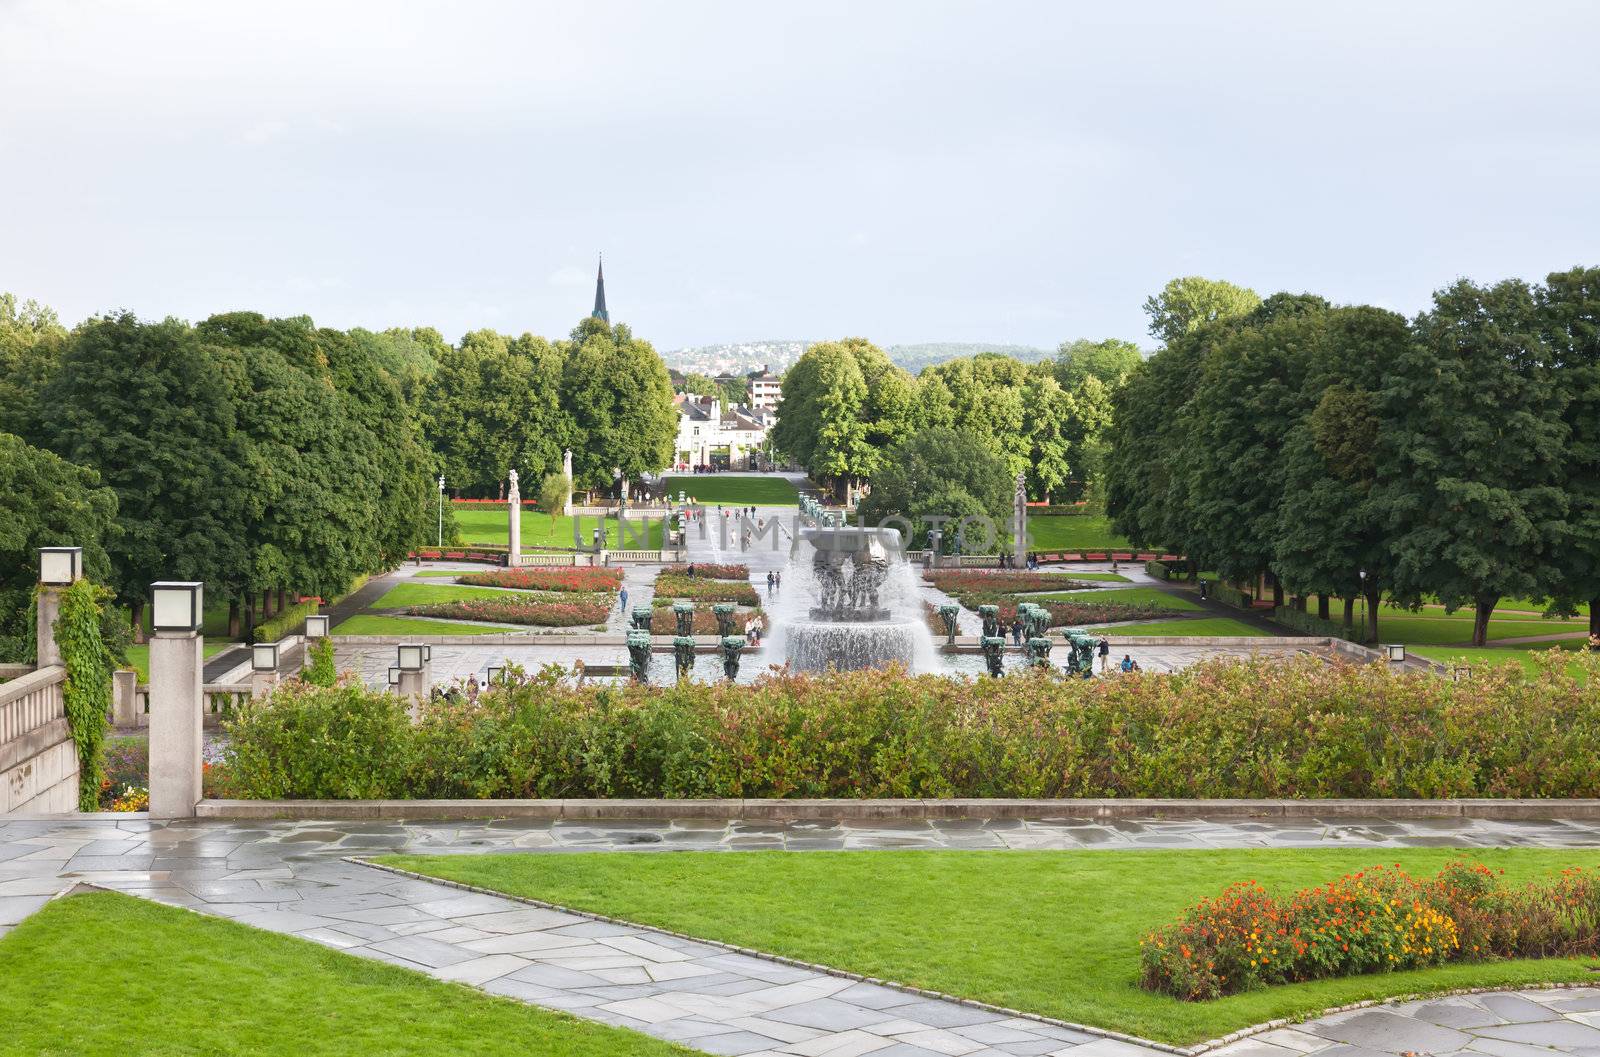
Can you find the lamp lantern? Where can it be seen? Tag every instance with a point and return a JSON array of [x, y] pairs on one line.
[[494, 673], [60, 566], [317, 626], [394, 676], [176, 605], [264, 657], [1397, 652], [411, 656]]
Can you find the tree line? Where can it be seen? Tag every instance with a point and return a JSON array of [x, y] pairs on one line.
[[956, 434], [1345, 451], [267, 456]]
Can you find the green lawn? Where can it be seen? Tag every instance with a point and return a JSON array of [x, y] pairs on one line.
[[439, 573], [1115, 578], [402, 595], [1217, 626], [106, 974], [732, 490], [490, 526], [1074, 532], [1529, 657], [372, 624], [1129, 596], [1397, 625], [1048, 932], [139, 655]]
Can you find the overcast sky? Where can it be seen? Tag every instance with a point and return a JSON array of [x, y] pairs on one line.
[[984, 171]]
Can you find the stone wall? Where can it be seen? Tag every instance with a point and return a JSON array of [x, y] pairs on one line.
[[38, 759]]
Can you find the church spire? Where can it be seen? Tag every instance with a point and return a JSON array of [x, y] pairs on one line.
[[600, 312]]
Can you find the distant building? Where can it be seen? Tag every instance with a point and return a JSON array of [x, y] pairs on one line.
[[600, 312], [765, 389], [720, 438]]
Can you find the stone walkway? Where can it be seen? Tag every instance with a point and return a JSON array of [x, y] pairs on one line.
[[291, 877]]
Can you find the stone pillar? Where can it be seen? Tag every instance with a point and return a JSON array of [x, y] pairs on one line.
[[514, 525], [566, 471], [416, 686], [49, 610], [261, 683], [176, 706], [125, 698], [1019, 523]]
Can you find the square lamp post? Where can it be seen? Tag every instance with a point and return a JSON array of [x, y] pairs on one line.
[[317, 626], [60, 566], [177, 697], [263, 668], [175, 606], [493, 673], [411, 656], [412, 678], [394, 677], [59, 569], [1397, 653]]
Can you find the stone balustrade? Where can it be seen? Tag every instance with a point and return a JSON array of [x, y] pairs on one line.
[[38, 759]]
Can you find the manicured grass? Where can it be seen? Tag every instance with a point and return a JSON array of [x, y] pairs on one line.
[[175, 982], [1048, 932], [1128, 596], [402, 595], [732, 490], [139, 655], [372, 624], [1218, 626], [440, 573], [1396, 625], [1115, 578], [490, 526], [1529, 657], [1074, 532]]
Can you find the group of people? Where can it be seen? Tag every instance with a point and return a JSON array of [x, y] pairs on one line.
[[774, 580], [1008, 561]]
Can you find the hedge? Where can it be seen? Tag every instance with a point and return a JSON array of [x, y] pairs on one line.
[[1158, 569], [287, 621], [1219, 729], [1231, 596], [1290, 617]]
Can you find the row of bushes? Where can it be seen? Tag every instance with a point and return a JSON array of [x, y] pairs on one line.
[[701, 589], [1229, 595], [1218, 729], [288, 621], [711, 570], [1312, 624], [1159, 570], [1377, 920], [537, 579], [517, 611]]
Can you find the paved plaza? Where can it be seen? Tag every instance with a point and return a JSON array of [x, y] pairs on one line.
[[293, 877]]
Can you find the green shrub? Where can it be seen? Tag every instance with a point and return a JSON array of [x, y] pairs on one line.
[[1219, 729], [321, 670], [1229, 595], [87, 692], [288, 621], [1290, 617], [1158, 569]]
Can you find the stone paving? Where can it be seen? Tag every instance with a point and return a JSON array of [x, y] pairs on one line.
[[291, 877]]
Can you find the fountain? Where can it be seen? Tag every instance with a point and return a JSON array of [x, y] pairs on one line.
[[994, 650], [642, 616], [732, 646], [947, 614], [723, 611], [683, 654], [990, 615], [639, 655], [1081, 660], [683, 614], [1039, 651], [858, 603]]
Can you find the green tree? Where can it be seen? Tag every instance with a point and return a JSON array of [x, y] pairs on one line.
[[1048, 414], [619, 396], [553, 493], [150, 407], [1569, 309], [1110, 361], [940, 472], [31, 339], [1473, 452], [1187, 303], [45, 501]]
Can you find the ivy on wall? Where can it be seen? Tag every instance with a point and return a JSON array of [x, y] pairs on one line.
[[87, 691]]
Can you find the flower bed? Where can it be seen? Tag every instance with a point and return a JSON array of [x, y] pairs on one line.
[[1377, 920], [1218, 729], [543, 614], [1062, 614], [958, 582], [547, 579], [701, 589], [710, 571]]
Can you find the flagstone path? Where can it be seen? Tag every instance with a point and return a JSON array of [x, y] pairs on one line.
[[293, 877]]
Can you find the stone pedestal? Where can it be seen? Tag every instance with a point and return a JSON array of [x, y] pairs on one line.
[[262, 683], [566, 471], [416, 686], [49, 610], [514, 529], [176, 706], [1019, 524], [124, 698]]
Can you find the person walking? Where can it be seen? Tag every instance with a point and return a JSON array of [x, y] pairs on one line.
[[1104, 649], [1016, 632], [622, 599], [778, 579], [769, 581]]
